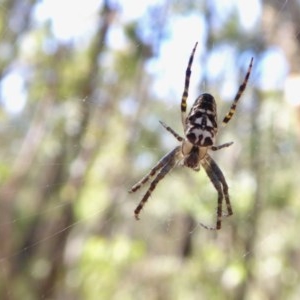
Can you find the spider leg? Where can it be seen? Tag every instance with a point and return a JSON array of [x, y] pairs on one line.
[[149, 175], [161, 163], [238, 95], [166, 168], [215, 148], [172, 131], [186, 86], [221, 178], [218, 180]]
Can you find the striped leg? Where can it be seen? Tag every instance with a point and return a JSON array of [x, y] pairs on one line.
[[218, 180], [221, 178], [148, 176], [172, 131], [213, 178], [215, 148], [161, 163], [238, 95], [167, 167], [186, 86]]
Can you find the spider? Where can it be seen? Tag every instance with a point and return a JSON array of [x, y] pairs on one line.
[[200, 129]]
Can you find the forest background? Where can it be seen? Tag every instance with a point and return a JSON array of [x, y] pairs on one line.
[[83, 85]]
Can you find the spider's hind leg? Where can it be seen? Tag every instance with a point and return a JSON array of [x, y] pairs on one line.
[[185, 93], [238, 95]]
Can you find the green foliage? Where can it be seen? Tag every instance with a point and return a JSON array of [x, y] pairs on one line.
[[105, 267], [90, 129]]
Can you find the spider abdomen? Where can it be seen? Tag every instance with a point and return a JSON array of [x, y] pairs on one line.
[[201, 123]]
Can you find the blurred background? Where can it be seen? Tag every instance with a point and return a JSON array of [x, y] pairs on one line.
[[83, 85]]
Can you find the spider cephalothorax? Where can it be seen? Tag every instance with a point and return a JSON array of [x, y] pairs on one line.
[[192, 159], [200, 129]]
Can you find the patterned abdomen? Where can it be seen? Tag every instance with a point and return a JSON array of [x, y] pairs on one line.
[[201, 123]]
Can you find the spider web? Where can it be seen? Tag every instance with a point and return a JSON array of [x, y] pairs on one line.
[[152, 245]]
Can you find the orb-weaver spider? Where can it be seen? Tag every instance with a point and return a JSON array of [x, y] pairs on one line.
[[200, 128]]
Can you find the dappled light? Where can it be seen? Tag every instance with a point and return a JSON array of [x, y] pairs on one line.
[[93, 94]]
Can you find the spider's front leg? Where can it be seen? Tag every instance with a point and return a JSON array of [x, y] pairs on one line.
[[161, 163], [162, 173], [219, 174], [218, 180], [164, 166]]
